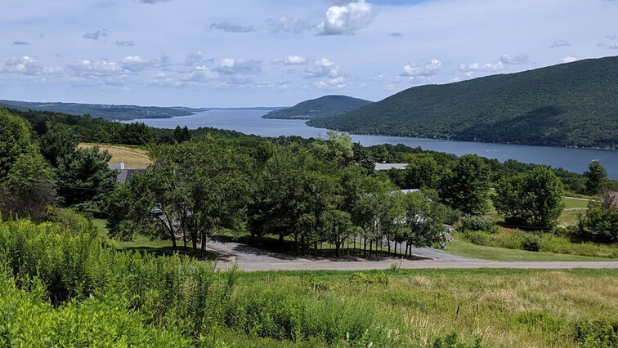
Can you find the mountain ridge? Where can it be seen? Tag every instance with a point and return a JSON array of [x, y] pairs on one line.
[[573, 104], [326, 106]]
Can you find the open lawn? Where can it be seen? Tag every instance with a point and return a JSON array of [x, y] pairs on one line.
[[466, 249], [575, 203], [133, 157]]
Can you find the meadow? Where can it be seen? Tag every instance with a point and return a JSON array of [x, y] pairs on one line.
[[61, 280]]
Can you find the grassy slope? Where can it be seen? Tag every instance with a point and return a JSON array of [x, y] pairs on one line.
[[566, 104], [134, 158], [466, 249], [327, 106], [505, 308]]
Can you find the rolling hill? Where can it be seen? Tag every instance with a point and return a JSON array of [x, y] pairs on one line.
[[574, 104], [109, 112], [327, 106]]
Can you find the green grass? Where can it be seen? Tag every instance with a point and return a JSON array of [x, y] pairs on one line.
[[575, 203], [466, 249]]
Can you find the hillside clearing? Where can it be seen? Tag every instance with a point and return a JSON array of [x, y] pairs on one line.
[[133, 158]]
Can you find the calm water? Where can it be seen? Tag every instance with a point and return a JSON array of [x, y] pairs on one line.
[[250, 122]]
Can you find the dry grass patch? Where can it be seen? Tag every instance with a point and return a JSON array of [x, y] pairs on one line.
[[133, 158]]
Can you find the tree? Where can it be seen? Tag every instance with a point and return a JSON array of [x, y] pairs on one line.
[[423, 221], [28, 190], [363, 158], [84, 178], [600, 222], [596, 177], [533, 198], [58, 142], [422, 172], [466, 185], [15, 141], [182, 134], [192, 191]]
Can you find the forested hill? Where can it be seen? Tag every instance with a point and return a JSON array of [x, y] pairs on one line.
[[109, 112], [573, 104], [327, 106]]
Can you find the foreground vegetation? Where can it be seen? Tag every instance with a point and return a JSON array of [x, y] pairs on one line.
[[62, 285]]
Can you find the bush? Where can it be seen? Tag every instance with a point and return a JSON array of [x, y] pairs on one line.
[[478, 223], [593, 334], [532, 242]]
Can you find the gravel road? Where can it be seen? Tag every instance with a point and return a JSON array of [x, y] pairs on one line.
[[251, 259]]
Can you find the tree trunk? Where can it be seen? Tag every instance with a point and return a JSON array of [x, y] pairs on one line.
[[337, 248], [281, 239], [365, 247], [370, 247], [203, 246], [395, 249]]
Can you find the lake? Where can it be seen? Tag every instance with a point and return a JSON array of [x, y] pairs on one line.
[[251, 122]]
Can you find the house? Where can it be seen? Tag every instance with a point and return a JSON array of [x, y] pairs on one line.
[[389, 166], [124, 175]]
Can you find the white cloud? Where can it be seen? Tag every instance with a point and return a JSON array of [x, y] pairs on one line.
[[560, 43], [20, 43], [332, 83], [95, 35], [90, 69], [613, 46], [287, 24], [231, 27], [478, 67], [323, 68], [601, 44], [395, 34], [201, 73], [231, 66], [346, 20], [197, 58], [427, 68], [136, 63], [569, 59], [294, 60], [516, 59], [24, 65]]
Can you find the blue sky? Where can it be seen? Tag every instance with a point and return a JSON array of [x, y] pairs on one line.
[[280, 52]]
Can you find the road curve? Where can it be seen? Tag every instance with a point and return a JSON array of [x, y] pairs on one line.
[[251, 260]]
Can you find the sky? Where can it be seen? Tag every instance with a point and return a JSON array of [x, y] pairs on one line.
[[232, 53]]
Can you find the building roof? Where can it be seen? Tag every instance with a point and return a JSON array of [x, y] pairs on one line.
[[388, 166], [126, 174]]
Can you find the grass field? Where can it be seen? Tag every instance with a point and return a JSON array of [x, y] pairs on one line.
[[133, 157], [575, 203], [502, 308], [466, 249]]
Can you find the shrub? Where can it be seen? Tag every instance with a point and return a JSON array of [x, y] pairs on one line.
[[593, 334], [478, 223], [532, 242]]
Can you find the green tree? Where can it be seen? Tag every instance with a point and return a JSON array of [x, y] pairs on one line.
[[15, 141], [58, 142], [533, 198], [84, 178], [596, 177], [465, 186], [363, 158], [422, 220], [192, 191], [600, 222], [422, 172]]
